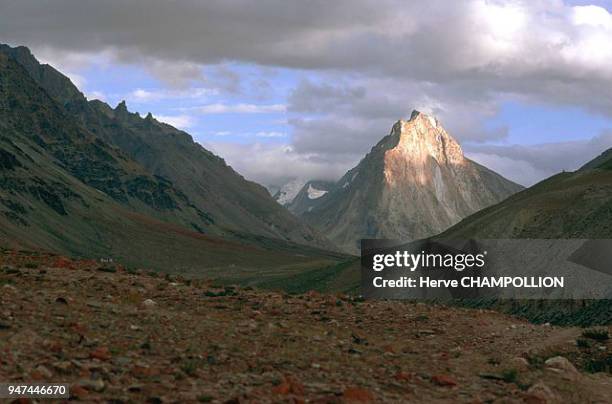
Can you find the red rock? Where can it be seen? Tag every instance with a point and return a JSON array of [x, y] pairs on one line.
[[443, 380], [78, 391], [283, 388], [55, 347], [36, 375], [289, 386], [62, 262], [403, 376], [100, 353], [540, 393], [297, 388], [357, 395], [144, 371], [389, 348], [330, 399]]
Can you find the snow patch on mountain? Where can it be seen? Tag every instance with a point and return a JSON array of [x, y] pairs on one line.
[[287, 193], [314, 193]]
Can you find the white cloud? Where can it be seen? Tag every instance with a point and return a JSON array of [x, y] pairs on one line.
[[261, 134], [144, 95], [527, 164], [276, 164], [241, 108], [517, 170], [178, 121], [270, 134], [96, 95], [591, 15]]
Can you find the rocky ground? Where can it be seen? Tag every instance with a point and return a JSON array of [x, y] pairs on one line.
[[124, 336]]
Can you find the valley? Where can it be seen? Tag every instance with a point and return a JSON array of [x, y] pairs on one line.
[[341, 202]]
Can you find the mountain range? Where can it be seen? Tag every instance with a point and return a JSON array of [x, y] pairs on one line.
[[81, 178], [229, 202]]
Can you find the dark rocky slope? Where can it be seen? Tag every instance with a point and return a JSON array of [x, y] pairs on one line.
[[65, 189], [231, 203]]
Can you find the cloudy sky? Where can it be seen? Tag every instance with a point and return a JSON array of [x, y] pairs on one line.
[[285, 88]]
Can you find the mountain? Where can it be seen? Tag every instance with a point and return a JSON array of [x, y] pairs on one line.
[[567, 205], [307, 198], [229, 204], [52, 159], [289, 191], [413, 184], [603, 161], [64, 188]]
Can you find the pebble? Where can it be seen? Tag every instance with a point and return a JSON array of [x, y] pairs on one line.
[[44, 371], [541, 393], [9, 287], [62, 365], [95, 385], [443, 380], [149, 303], [560, 363]]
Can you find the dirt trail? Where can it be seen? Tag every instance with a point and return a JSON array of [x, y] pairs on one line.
[[137, 338]]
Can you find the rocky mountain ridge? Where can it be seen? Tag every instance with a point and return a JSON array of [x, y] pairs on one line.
[[66, 186], [231, 205]]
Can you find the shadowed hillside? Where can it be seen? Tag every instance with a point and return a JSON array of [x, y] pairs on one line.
[[66, 189], [230, 203]]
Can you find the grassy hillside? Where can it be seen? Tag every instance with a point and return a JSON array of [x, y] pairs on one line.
[[568, 205]]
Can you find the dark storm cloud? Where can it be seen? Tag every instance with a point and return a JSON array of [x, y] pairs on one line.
[[296, 34], [438, 41]]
